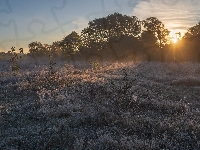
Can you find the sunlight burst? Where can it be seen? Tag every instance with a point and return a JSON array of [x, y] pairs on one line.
[[174, 39], [174, 36]]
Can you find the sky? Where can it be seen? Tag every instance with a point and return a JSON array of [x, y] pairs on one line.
[[46, 21]]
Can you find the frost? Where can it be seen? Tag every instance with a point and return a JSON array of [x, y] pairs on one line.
[[134, 105]]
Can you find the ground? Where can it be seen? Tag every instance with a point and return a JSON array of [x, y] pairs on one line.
[[135, 105]]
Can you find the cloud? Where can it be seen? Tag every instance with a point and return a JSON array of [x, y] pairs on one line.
[[177, 15]]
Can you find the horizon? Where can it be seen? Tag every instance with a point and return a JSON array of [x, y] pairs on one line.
[[48, 21]]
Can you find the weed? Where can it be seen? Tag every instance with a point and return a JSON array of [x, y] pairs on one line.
[[122, 90], [95, 64], [13, 59], [51, 63]]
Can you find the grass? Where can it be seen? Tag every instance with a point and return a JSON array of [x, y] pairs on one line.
[[118, 106]]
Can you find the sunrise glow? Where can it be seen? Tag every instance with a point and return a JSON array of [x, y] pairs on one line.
[[174, 40], [175, 36]]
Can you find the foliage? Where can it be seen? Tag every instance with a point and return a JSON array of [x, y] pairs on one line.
[[13, 59], [193, 33], [113, 25], [157, 28], [153, 25], [103, 34], [56, 49], [37, 49], [148, 38], [70, 44]]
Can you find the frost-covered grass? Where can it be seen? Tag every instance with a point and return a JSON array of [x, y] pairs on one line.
[[118, 106]]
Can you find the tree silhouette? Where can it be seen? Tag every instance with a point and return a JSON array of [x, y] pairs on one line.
[[37, 49], [125, 46], [148, 38], [113, 25], [193, 33], [70, 44], [102, 33], [193, 36], [155, 26], [56, 49]]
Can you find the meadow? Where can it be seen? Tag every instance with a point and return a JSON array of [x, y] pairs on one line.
[[129, 105]]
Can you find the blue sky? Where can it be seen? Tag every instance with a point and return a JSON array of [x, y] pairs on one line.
[[25, 21]]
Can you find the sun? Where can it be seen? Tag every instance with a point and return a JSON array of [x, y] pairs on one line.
[[174, 39], [174, 36]]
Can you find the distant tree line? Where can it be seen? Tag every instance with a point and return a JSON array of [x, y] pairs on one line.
[[119, 37]]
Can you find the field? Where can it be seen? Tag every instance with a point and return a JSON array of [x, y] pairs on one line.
[[134, 105]]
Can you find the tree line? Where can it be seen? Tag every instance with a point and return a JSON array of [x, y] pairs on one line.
[[117, 37]]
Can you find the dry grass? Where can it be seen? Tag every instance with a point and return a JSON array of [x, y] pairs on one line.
[[120, 106], [186, 82]]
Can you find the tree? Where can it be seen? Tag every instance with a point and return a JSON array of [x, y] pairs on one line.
[[148, 38], [56, 49], [102, 33], [156, 27], [153, 25], [193, 33], [113, 25], [70, 44], [37, 49], [126, 47], [192, 37]]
